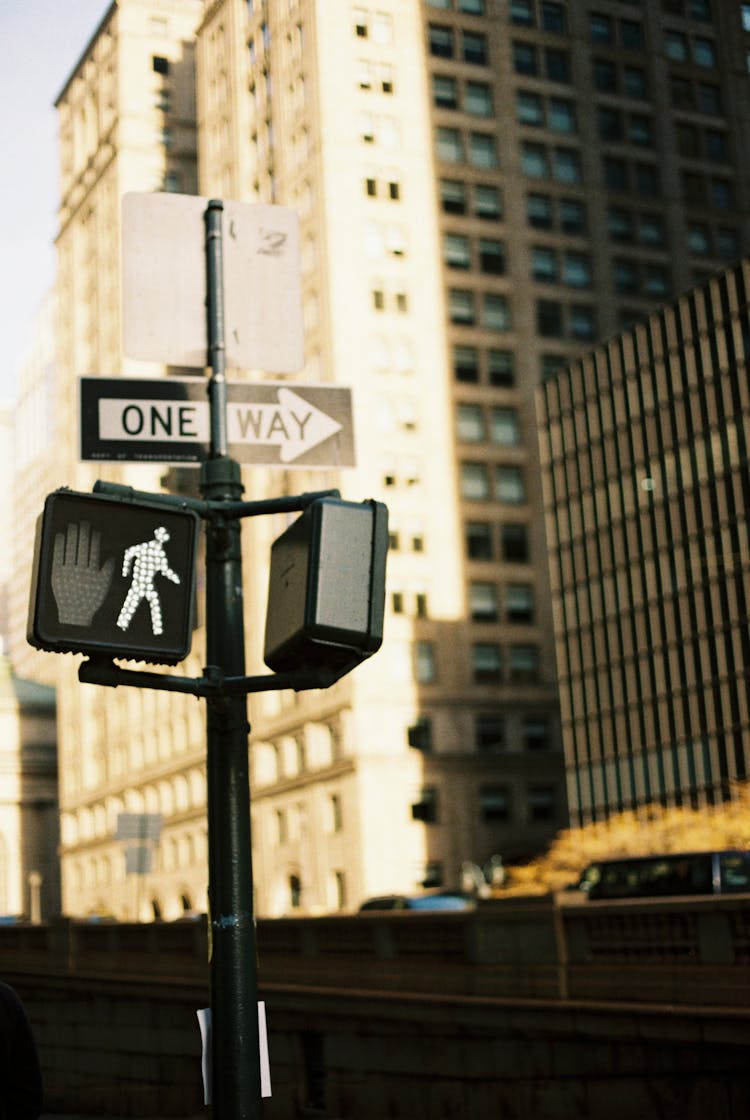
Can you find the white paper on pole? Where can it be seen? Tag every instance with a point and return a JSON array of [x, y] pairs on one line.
[[204, 1022]]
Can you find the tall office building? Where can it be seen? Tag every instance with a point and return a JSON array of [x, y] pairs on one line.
[[646, 488], [126, 122], [483, 189]]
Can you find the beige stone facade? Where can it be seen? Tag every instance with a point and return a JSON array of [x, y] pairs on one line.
[[483, 190]]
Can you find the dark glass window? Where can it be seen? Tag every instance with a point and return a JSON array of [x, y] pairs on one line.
[[525, 59], [489, 731], [475, 48], [441, 41], [514, 542], [479, 543], [552, 17], [453, 196], [466, 364], [501, 368]]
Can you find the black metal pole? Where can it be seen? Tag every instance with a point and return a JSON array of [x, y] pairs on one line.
[[236, 1090]]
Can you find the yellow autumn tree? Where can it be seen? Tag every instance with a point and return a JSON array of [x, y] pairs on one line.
[[651, 830]]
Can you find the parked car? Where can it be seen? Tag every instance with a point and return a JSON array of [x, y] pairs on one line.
[[438, 900]]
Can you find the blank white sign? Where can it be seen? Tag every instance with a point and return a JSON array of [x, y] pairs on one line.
[[164, 283]]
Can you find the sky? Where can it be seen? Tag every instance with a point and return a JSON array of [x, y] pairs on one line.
[[40, 43]]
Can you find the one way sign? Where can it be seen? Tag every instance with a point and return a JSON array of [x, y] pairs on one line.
[[168, 421]]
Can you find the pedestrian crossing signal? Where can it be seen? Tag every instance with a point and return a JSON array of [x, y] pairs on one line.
[[113, 578]]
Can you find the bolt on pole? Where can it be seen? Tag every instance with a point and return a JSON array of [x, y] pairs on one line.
[[235, 1060]]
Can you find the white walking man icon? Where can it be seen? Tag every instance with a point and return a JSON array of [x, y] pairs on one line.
[[148, 560]]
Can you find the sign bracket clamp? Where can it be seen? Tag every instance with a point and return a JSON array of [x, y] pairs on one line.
[[210, 509], [213, 685]]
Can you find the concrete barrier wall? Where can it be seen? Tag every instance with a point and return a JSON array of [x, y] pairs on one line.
[[522, 1008]]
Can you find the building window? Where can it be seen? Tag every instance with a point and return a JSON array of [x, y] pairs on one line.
[[335, 813], [539, 211], [722, 195], [419, 735], [556, 65], [339, 887], [444, 92], [634, 82], [704, 52], [489, 732], [433, 875], [475, 48], [456, 251], [514, 543], [525, 59], [543, 265], [501, 368], [631, 35], [519, 602], [479, 545], [483, 151], [717, 146], [549, 318], [505, 429], [605, 76], [426, 808], [478, 99], [536, 735], [449, 145], [453, 196], [466, 364], [541, 803], [577, 270], [491, 256], [483, 602], [615, 174], [651, 230], [561, 116], [494, 804], [425, 665], [529, 108], [600, 28], [727, 244], [699, 239], [566, 166], [582, 322], [475, 482], [572, 216], [497, 316], [486, 662], [462, 308], [160, 65], [522, 13], [509, 485], [535, 161], [487, 202], [553, 17], [523, 663], [619, 224], [470, 423], [441, 41]]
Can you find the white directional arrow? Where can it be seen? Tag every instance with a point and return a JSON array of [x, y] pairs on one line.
[[292, 424]]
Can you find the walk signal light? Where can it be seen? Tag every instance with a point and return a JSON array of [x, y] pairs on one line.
[[113, 578], [326, 593]]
